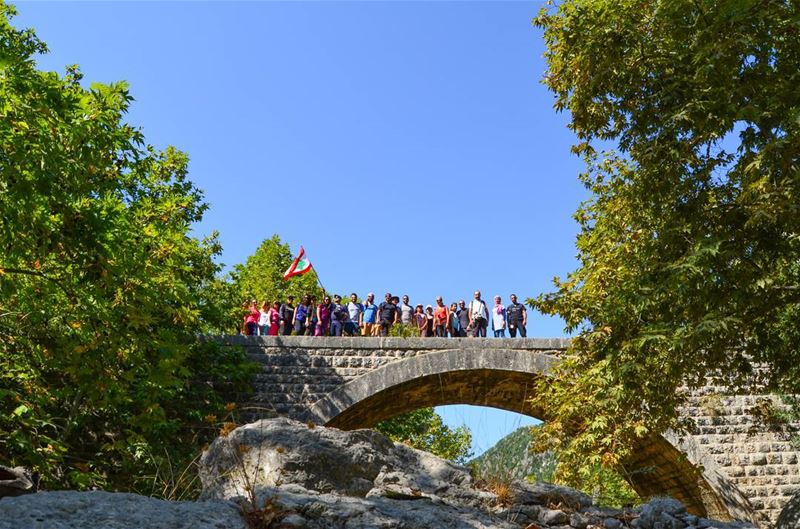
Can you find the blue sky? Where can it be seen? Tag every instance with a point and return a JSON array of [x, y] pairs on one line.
[[409, 146]]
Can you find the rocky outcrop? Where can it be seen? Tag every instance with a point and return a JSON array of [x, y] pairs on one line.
[[330, 478], [114, 510], [282, 474]]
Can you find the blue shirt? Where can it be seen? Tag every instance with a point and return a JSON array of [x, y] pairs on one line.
[[300, 313], [370, 312]]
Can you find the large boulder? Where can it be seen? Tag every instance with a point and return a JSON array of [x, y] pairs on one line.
[[279, 452]]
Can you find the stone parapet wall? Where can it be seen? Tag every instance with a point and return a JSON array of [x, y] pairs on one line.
[[297, 371]]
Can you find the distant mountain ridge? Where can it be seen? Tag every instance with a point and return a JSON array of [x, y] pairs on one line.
[[511, 458]]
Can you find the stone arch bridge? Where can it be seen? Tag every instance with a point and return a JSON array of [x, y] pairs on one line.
[[731, 468]]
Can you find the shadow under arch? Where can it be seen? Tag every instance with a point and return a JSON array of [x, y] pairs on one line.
[[505, 379]]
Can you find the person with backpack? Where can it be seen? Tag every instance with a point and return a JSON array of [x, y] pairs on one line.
[[478, 316], [339, 316], [517, 318]]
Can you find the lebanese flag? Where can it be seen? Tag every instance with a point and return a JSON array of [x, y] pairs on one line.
[[300, 265]]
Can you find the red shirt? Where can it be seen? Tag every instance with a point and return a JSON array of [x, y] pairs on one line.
[[441, 315], [252, 317]]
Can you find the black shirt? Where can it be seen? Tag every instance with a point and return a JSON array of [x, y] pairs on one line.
[[387, 311], [287, 312], [515, 312], [340, 312], [463, 317]]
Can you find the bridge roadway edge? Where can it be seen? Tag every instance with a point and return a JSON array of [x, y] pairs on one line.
[[746, 473]]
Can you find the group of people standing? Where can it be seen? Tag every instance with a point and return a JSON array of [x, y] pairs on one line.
[[331, 317]]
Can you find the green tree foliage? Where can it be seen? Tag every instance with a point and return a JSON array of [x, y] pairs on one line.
[[261, 276], [689, 244], [513, 458], [102, 288], [423, 429]]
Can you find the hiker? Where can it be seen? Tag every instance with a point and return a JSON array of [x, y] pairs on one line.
[[369, 317], [478, 316], [453, 322], [274, 318], [301, 315], [251, 319], [429, 319], [440, 316], [287, 316], [354, 311], [498, 318], [463, 318], [311, 317], [517, 318], [263, 319], [388, 314], [338, 316], [406, 312], [324, 317], [419, 319]]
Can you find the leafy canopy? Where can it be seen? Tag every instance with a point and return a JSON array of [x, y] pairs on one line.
[[261, 276], [689, 246], [424, 429], [102, 286]]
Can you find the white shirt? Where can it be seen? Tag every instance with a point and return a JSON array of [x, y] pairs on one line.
[[478, 309]]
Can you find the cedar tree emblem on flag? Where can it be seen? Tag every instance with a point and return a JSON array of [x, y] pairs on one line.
[[300, 265]]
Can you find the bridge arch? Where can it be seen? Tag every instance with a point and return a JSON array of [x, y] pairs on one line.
[[505, 379], [730, 466]]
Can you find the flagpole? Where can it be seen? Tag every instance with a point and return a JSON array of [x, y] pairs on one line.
[[324, 292]]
